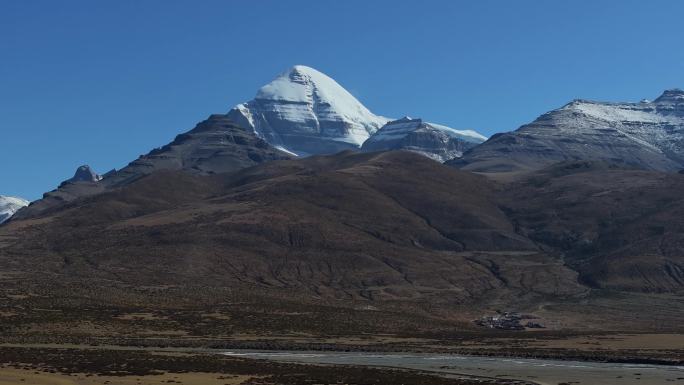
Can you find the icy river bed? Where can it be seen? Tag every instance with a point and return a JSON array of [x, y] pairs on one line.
[[540, 371]]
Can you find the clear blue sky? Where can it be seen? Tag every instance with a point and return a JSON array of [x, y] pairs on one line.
[[101, 82]]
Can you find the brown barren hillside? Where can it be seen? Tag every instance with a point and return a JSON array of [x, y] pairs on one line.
[[346, 243], [620, 228]]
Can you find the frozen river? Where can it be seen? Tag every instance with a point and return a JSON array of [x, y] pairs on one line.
[[545, 372]]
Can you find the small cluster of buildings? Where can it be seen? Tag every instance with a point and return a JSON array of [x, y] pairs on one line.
[[508, 321]]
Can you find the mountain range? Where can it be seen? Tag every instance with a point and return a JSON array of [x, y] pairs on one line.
[[304, 194], [300, 113], [645, 135], [215, 145], [392, 230]]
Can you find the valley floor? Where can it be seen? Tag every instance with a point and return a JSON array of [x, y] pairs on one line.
[[11, 376], [93, 364], [125, 366]]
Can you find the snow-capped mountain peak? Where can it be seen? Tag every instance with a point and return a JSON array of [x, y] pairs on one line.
[[9, 206], [645, 134], [307, 112], [435, 141], [299, 83], [658, 124]]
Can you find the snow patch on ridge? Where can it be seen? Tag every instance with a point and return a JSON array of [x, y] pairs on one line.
[[657, 125], [620, 112], [400, 128], [436, 141]]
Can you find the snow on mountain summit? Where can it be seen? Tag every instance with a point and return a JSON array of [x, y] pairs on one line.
[[9, 206], [307, 112], [645, 134], [658, 124], [435, 141]]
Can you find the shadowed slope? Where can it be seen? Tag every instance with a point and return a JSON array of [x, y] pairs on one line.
[[391, 232], [215, 145], [389, 226], [621, 229]]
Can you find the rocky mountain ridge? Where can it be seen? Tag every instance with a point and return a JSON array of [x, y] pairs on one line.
[[215, 145], [437, 142], [646, 135]]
